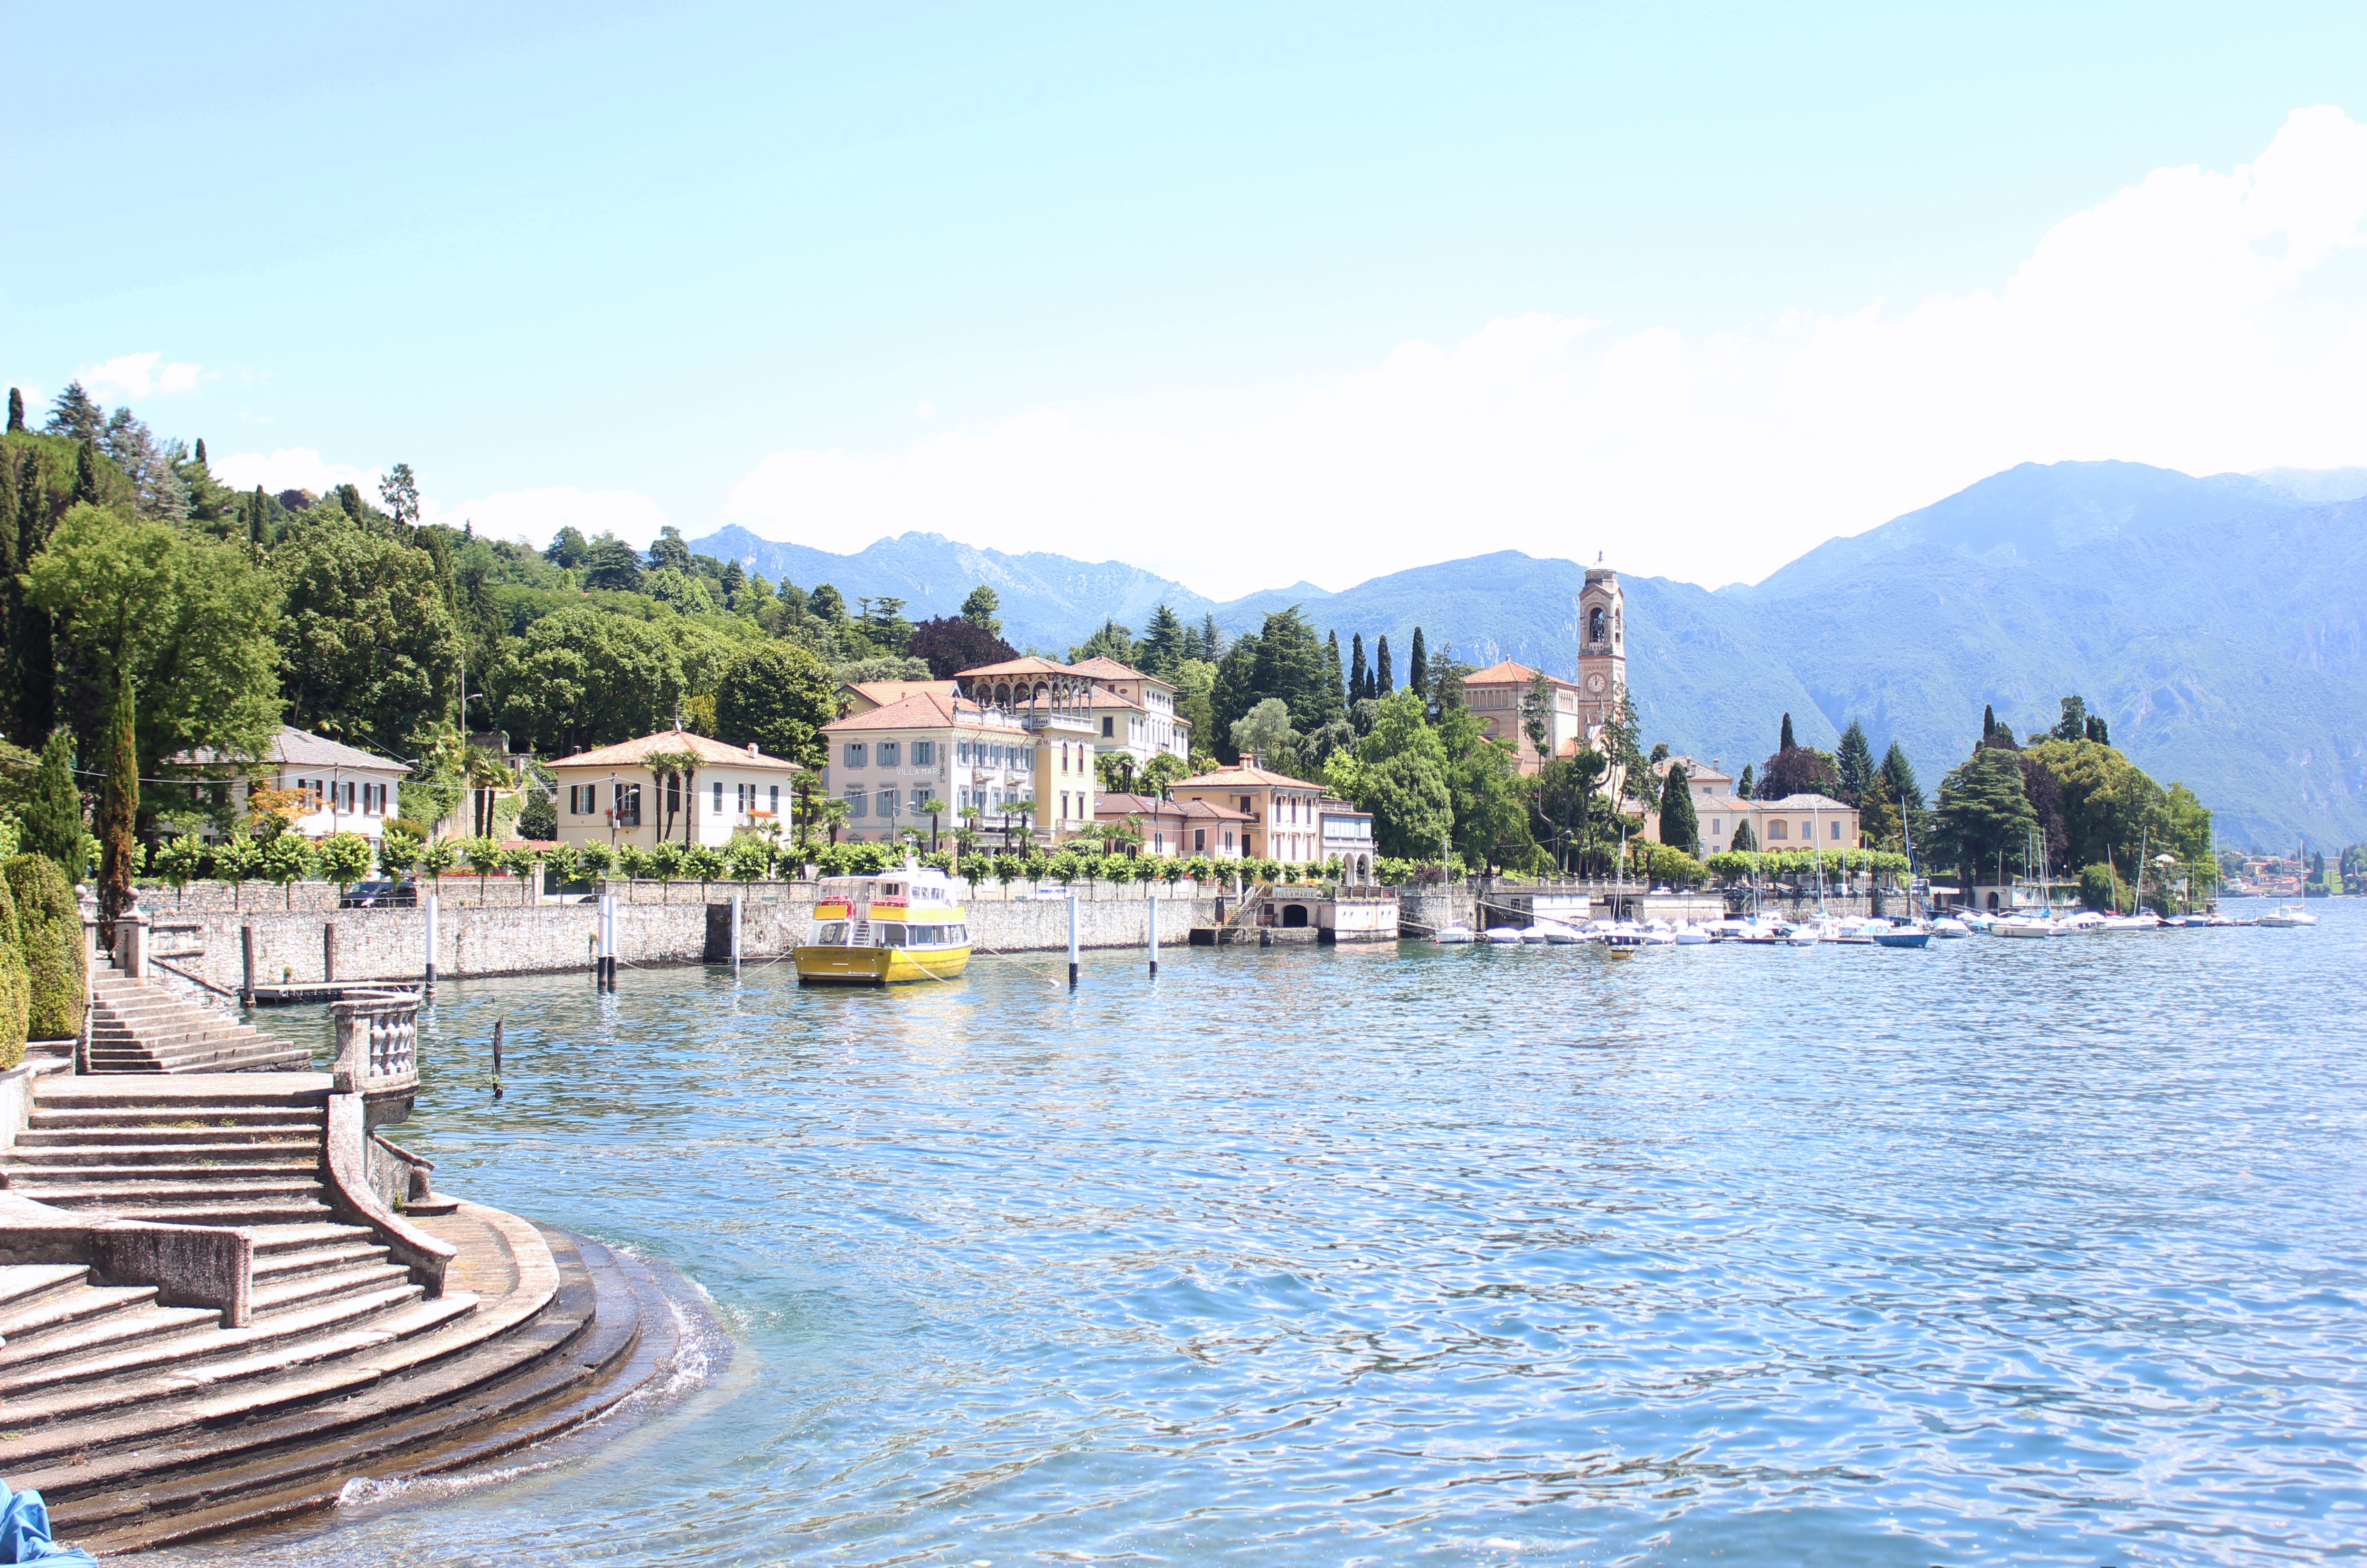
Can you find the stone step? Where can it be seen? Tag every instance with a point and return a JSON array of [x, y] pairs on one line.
[[175, 1100], [215, 1359], [291, 1154], [275, 1240], [75, 1192], [23, 1284], [161, 1114], [99, 1317], [255, 1135], [175, 1180], [28, 1319], [297, 1262], [286, 1291], [219, 1215], [136, 1341]]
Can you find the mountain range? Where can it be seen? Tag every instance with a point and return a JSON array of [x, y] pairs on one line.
[[2215, 622]]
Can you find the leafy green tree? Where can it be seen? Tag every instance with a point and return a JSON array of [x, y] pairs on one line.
[[525, 862], [949, 646], [704, 861], [236, 860], [828, 605], [344, 859], [777, 698], [581, 678], [979, 609], [1853, 762], [181, 861], [1801, 770], [369, 647], [483, 858], [670, 552], [568, 548], [190, 625], [287, 861], [1402, 781], [2073, 725], [398, 853], [1983, 818], [53, 826], [1491, 816], [435, 858], [1680, 825], [595, 860], [1264, 732], [610, 563], [748, 858]]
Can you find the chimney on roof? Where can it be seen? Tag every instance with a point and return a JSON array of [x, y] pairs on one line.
[[752, 748]]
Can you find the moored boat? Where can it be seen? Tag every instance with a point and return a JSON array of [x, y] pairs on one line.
[[899, 926]]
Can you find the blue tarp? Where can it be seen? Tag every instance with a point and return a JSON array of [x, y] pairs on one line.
[[25, 1531]]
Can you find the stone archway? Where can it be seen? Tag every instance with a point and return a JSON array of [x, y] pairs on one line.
[[1294, 915]]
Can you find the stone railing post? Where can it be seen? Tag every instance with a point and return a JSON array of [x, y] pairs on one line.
[[378, 1051], [132, 945]]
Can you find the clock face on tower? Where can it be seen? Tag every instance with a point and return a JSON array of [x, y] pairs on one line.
[[1595, 683]]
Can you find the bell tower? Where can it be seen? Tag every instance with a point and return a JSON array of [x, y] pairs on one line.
[[1602, 645]]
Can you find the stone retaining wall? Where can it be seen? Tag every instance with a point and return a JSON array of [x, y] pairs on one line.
[[389, 944]]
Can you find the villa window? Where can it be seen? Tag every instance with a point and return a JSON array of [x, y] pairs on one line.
[[890, 754], [1109, 727], [1199, 841], [1837, 829], [628, 805], [719, 797], [857, 803], [855, 754], [886, 803], [924, 754], [920, 802], [1777, 830], [776, 800], [1715, 825], [1808, 830]]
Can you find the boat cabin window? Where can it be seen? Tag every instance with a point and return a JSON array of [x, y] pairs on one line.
[[891, 889], [830, 934], [893, 935]]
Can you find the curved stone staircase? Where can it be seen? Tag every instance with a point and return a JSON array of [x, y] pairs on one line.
[[144, 1420], [139, 1027]]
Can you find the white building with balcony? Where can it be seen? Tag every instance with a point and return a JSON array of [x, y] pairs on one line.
[[630, 794], [1134, 713]]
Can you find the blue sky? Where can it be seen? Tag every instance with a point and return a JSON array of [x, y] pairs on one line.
[[1242, 295]]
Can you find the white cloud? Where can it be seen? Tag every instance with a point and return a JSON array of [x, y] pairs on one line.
[[534, 515], [2191, 320], [131, 376], [294, 468]]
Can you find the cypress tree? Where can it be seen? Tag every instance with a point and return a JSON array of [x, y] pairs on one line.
[[1988, 720], [53, 816], [1742, 785], [1335, 698], [119, 811], [1358, 677], [32, 655], [1680, 825], [15, 411], [1785, 743], [1385, 680], [1417, 668], [86, 474], [201, 452]]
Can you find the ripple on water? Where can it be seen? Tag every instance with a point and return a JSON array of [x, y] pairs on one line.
[[1998, 1253]]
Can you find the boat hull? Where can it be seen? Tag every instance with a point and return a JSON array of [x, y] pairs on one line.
[[879, 966], [1904, 938]]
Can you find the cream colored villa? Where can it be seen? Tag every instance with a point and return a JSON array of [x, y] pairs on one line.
[[1284, 814], [1024, 779], [613, 795], [1135, 712]]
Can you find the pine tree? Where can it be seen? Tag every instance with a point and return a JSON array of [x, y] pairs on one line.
[[1417, 668], [1898, 782], [1785, 743], [1742, 785], [118, 811], [1854, 759], [1162, 643], [1385, 680], [1357, 675], [53, 816], [979, 609], [2098, 730], [86, 474], [15, 411], [76, 416], [1212, 641]]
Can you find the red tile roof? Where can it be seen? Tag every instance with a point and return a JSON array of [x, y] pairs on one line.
[[1505, 672], [1243, 774], [883, 692], [1120, 806], [712, 753], [1030, 665], [922, 710], [1101, 666]]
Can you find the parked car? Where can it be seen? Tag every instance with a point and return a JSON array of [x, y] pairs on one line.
[[379, 892]]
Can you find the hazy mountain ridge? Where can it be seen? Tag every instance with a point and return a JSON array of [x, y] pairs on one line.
[[2213, 621]]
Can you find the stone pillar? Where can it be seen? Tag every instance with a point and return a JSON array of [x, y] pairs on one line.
[[329, 952]]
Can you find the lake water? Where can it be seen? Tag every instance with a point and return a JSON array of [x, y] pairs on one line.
[[2001, 1252]]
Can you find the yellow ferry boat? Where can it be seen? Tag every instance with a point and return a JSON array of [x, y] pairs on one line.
[[883, 930]]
